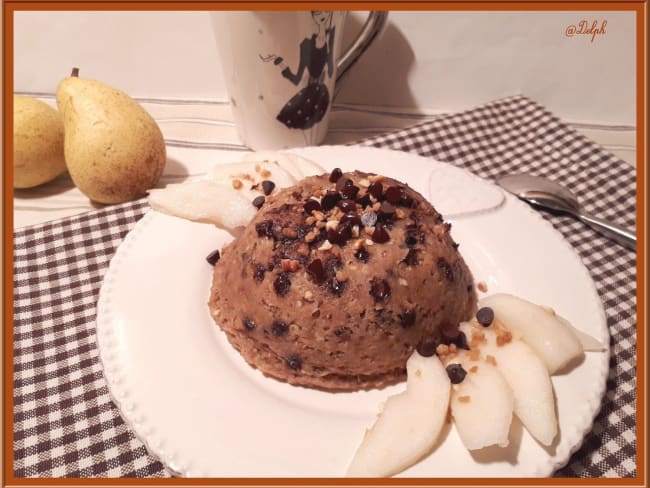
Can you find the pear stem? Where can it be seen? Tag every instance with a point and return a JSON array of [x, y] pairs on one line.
[[75, 72]]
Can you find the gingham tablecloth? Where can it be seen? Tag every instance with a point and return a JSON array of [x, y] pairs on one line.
[[65, 423]]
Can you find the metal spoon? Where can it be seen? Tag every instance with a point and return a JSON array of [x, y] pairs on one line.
[[544, 193]]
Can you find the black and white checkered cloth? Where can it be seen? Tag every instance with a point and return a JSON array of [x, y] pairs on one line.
[[64, 421]]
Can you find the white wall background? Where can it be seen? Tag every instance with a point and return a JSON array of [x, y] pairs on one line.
[[423, 61]]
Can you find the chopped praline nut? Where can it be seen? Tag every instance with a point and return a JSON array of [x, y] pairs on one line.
[[335, 175], [456, 373], [290, 265], [485, 316], [279, 328], [294, 362], [379, 290], [237, 184], [258, 202], [282, 284], [289, 233], [213, 257], [427, 347], [267, 187], [249, 324]]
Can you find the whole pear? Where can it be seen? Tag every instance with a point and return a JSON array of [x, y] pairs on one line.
[[113, 148], [38, 142]]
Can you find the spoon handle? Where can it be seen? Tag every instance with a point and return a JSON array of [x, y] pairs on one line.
[[622, 236]]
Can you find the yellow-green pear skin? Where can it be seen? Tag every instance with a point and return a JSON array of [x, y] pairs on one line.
[[38, 142], [114, 149]]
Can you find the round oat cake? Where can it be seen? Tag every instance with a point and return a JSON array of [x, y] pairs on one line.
[[338, 279]]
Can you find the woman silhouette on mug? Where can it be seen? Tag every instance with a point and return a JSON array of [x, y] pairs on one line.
[[308, 107]]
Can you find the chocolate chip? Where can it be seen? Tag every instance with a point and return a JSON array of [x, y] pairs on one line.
[[330, 200], [362, 255], [336, 286], [445, 269], [347, 205], [265, 229], [350, 192], [260, 271], [376, 189], [282, 284], [316, 271], [369, 219], [407, 317], [294, 362], [461, 341], [343, 333], [249, 324], [379, 290], [351, 217], [342, 183], [311, 205], [213, 257], [335, 175], [485, 316], [341, 234], [427, 347], [279, 328], [267, 187], [394, 194], [408, 202], [258, 202], [411, 258], [386, 212], [456, 373], [380, 235], [364, 201]]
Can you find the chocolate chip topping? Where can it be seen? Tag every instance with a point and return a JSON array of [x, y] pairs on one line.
[[258, 202], [379, 290], [249, 324], [267, 187], [456, 373], [316, 271], [279, 328], [376, 189], [386, 212], [394, 194], [330, 200], [311, 205], [445, 269], [213, 257], [350, 192], [380, 235], [485, 316], [362, 255], [343, 183], [411, 258], [364, 201], [265, 229], [335, 175], [407, 317], [351, 217], [347, 205], [282, 284], [260, 271], [427, 347], [294, 362]]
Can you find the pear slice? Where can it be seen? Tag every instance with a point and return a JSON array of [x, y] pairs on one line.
[[204, 201], [297, 166], [527, 376], [481, 404], [409, 424], [247, 177], [556, 344], [589, 343]]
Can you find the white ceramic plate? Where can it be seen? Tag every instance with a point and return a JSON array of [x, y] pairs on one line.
[[204, 412]]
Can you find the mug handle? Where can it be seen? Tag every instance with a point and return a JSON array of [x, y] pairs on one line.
[[368, 33]]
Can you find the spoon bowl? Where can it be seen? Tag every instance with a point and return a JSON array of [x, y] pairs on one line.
[[548, 194]]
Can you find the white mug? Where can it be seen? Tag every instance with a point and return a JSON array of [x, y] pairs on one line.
[[280, 70]]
